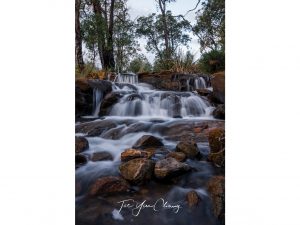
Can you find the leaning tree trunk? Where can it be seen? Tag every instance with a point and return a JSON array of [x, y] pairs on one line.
[[78, 40]]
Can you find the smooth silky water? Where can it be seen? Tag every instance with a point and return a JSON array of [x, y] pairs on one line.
[[144, 110]]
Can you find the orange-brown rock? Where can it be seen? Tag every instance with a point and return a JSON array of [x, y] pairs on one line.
[[179, 156], [81, 144], [216, 190], [192, 198], [189, 148], [218, 84], [137, 171], [216, 139], [130, 154]]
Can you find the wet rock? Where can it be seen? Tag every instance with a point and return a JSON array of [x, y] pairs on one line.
[[134, 96], [101, 156], [203, 92], [147, 141], [216, 190], [218, 84], [137, 171], [108, 185], [179, 156], [83, 98], [107, 103], [219, 112], [216, 139], [80, 160], [189, 148], [95, 128], [218, 158], [192, 198], [169, 168], [81, 144], [130, 154]]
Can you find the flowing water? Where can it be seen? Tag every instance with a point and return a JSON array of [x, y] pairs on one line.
[[169, 115]]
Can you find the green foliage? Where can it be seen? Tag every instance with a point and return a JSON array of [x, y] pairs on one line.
[[152, 28], [140, 64], [89, 68], [212, 61], [210, 26]]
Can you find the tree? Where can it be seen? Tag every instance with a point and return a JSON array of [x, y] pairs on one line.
[[140, 64], [210, 25], [125, 42], [78, 39], [153, 29]]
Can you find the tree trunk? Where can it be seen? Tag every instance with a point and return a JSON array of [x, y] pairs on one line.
[[162, 6], [78, 39]]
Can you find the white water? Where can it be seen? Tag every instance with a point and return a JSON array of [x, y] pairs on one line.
[[129, 78], [97, 98]]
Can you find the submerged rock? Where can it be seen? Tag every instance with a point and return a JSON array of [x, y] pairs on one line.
[[216, 190], [189, 148], [108, 185], [137, 171], [101, 156], [216, 139], [192, 198], [179, 156], [219, 112], [169, 168], [130, 154], [147, 141], [81, 144], [80, 160]]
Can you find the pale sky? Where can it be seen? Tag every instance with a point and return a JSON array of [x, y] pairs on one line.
[[144, 7]]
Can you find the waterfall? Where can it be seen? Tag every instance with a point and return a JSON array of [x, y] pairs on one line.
[[130, 78], [200, 83], [97, 98], [161, 104]]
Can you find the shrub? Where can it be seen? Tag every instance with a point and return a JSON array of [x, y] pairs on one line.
[[212, 61]]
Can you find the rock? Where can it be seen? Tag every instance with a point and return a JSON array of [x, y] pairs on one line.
[[147, 141], [80, 160], [108, 185], [219, 112], [189, 148], [216, 190], [218, 158], [179, 156], [137, 171], [101, 156], [81, 144], [107, 103], [130, 154], [203, 92], [218, 84], [95, 128], [216, 139], [169, 168], [192, 198]]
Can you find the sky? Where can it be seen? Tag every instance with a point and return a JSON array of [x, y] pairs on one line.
[[144, 7]]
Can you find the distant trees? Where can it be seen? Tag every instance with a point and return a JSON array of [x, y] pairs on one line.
[[140, 64]]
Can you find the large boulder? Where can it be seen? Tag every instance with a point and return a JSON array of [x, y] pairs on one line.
[[216, 190], [101, 156], [218, 84], [108, 185], [179, 156], [189, 148], [217, 158], [148, 141], [130, 154], [219, 112], [81, 144], [137, 171], [216, 139], [108, 102], [169, 168]]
